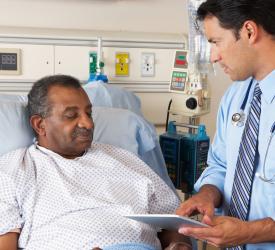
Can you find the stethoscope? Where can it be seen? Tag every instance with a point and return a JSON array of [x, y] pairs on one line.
[[239, 117], [238, 121], [263, 176]]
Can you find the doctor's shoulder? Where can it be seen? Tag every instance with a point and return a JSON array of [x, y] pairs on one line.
[[235, 92], [237, 88]]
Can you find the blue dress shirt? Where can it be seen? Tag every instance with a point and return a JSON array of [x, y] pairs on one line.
[[223, 153]]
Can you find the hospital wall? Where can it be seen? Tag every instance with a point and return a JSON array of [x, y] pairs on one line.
[[55, 36]]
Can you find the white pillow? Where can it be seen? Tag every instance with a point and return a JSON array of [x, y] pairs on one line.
[[124, 129], [16, 98], [106, 95], [15, 130], [118, 127]]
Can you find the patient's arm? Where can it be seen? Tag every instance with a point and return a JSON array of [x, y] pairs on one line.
[[167, 237], [9, 241]]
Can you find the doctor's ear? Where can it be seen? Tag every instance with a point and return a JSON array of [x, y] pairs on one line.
[[38, 124], [249, 33], [250, 30]]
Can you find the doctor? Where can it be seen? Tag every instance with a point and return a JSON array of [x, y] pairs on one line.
[[240, 179]]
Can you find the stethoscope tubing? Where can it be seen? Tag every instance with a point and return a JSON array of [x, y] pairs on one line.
[[239, 117], [238, 120]]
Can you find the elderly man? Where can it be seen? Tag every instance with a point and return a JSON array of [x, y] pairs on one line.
[[65, 193]]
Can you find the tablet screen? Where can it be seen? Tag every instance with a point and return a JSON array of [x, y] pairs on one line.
[[166, 221]]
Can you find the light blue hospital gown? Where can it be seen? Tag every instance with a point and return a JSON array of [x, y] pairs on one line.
[[78, 203]]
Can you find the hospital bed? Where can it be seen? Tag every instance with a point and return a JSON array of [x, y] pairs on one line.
[[118, 121]]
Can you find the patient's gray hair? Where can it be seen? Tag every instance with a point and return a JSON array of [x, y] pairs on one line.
[[38, 95]]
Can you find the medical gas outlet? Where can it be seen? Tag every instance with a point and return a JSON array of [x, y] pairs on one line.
[[122, 64]]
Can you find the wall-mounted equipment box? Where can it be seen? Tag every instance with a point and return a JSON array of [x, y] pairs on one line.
[[10, 61], [93, 61]]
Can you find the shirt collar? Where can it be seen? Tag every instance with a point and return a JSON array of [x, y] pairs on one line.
[[53, 154], [267, 86]]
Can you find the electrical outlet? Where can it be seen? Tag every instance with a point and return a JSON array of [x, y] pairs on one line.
[[122, 64], [147, 64]]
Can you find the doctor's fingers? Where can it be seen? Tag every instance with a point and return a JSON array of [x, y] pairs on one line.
[[215, 236], [189, 208], [207, 240], [201, 232]]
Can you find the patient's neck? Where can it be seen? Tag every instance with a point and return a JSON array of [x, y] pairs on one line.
[[68, 154]]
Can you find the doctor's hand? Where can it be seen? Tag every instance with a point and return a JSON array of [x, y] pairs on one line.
[[198, 204], [204, 202], [224, 231]]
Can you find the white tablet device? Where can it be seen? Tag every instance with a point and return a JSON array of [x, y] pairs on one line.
[[166, 221]]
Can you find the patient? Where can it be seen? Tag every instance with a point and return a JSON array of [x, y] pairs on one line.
[[65, 192]]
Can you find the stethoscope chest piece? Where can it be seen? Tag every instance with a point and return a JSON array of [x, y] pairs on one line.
[[238, 119]]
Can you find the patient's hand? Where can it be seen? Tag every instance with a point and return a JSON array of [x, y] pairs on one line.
[[172, 240], [179, 246]]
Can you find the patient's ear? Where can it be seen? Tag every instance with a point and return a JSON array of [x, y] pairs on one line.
[[37, 123]]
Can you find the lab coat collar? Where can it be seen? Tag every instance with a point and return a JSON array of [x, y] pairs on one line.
[[267, 86]]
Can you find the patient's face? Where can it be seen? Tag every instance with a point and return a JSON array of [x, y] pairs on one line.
[[69, 127]]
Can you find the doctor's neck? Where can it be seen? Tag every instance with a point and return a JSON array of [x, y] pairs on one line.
[[265, 54]]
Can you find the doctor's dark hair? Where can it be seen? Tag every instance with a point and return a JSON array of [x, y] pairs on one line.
[[233, 13], [38, 95]]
